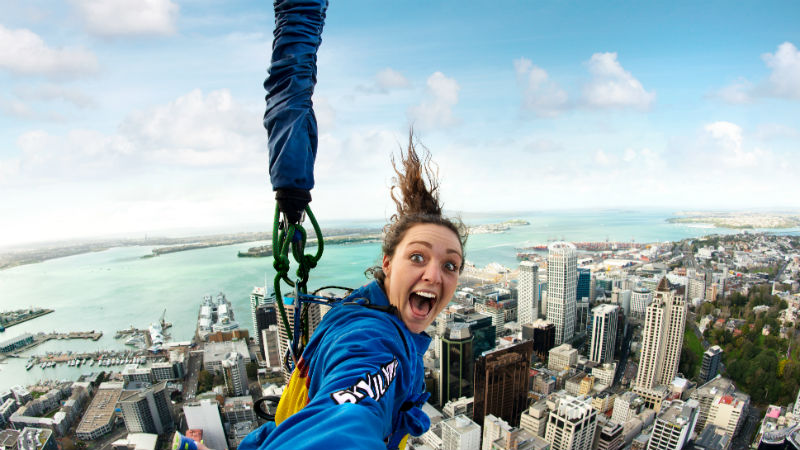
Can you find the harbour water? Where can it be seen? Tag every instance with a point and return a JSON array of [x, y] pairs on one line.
[[114, 289]]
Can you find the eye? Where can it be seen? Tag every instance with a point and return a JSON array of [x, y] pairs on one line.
[[417, 258], [449, 266]]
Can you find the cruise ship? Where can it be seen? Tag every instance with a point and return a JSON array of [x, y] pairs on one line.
[[215, 315]]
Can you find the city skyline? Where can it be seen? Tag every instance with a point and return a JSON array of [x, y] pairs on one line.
[[127, 119]]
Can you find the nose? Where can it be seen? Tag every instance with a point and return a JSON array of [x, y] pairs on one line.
[[433, 273]]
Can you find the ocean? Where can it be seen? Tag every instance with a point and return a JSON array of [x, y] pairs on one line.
[[114, 289]]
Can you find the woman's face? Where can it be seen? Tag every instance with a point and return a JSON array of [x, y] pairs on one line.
[[422, 275]]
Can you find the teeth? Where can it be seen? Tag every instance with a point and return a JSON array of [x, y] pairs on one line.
[[425, 294]]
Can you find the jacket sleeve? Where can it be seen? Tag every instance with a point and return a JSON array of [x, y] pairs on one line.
[[289, 119], [357, 385]]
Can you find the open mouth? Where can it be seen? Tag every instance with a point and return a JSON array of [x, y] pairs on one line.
[[422, 303]]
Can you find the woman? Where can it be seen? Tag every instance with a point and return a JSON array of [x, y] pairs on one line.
[[360, 380]]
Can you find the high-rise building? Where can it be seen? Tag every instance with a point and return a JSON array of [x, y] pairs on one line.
[[460, 433], [674, 425], [584, 284], [313, 321], [501, 383], [561, 289], [707, 393], [528, 293], [695, 286], [494, 428], [662, 338], [204, 415], [640, 300], [483, 331], [266, 316], [562, 357], [534, 419], [270, 341], [626, 407], [728, 412], [147, 410], [604, 333], [572, 424], [543, 335], [710, 366], [234, 372], [457, 363], [611, 437]]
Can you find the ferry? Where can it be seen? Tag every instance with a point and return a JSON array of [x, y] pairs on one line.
[[29, 365]]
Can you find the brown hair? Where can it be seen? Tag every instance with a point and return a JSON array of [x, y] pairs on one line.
[[417, 203]]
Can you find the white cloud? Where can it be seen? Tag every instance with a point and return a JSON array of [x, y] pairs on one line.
[[539, 94], [436, 111], [736, 93], [612, 86], [389, 78], [324, 112], [784, 81], [128, 17], [602, 158], [23, 52], [199, 130], [47, 92], [730, 142]]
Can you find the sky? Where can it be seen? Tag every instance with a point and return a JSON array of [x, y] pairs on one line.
[[128, 117]]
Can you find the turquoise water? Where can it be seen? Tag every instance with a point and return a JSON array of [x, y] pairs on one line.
[[114, 289]]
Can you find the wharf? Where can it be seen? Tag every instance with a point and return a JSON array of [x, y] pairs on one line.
[[9, 319], [40, 338]]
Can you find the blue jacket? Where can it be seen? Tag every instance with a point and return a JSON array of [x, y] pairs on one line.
[[289, 119], [360, 383]]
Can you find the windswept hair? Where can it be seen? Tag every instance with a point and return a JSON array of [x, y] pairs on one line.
[[415, 192]]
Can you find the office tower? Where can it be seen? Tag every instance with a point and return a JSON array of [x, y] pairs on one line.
[[464, 405], [494, 428], [266, 316], [604, 333], [270, 340], [640, 300], [256, 298], [494, 310], [707, 393], [283, 344], [662, 338], [695, 286], [572, 424], [584, 284], [728, 412], [710, 367], [674, 425], [561, 289], [582, 316], [528, 293], [543, 334], [480, 325], [460, 433], [562, 357], [501, 383], [147, 410], [611, 437], [624, 300], [204, 415], [235, 374], [626, 407], [534, 419], [457, 363]]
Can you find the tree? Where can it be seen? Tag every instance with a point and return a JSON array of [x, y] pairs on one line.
[[205, 381], [252, 370]]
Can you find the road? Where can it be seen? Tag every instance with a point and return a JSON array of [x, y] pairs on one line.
[[192, 373]]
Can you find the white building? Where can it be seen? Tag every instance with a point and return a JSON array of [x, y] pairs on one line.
[[534, 419], [572, 424], [662, 339], [604, 333], [561, 357], [562, 279], [235, 374], [626, 407], [640, 300], [727, 412], [494, 428], [674, 425], [460, 433], [204, 415], [528, 293]]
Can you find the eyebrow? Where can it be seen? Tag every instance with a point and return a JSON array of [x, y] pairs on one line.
[[428, 244]]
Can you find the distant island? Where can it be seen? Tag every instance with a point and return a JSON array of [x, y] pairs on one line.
[[739, 220], [502, 227]]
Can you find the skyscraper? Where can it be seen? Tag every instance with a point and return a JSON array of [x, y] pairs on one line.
[[662, 340], [460, 433], [572, 424], [710, 367], [674, 425], [235, 374], [147, 410], [262, 296], [543, 334], [501, 383], [604, 333], [640, 300], [561, 289], [584, 284], [528, 293], [457, 363], [313, 321], [204, 415]]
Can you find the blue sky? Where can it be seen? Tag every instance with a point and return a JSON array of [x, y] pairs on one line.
[[131, 116]]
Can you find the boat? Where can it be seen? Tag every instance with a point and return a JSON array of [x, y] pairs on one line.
[[29, 365]]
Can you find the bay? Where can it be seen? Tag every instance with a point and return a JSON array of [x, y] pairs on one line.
[[114, 289]]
